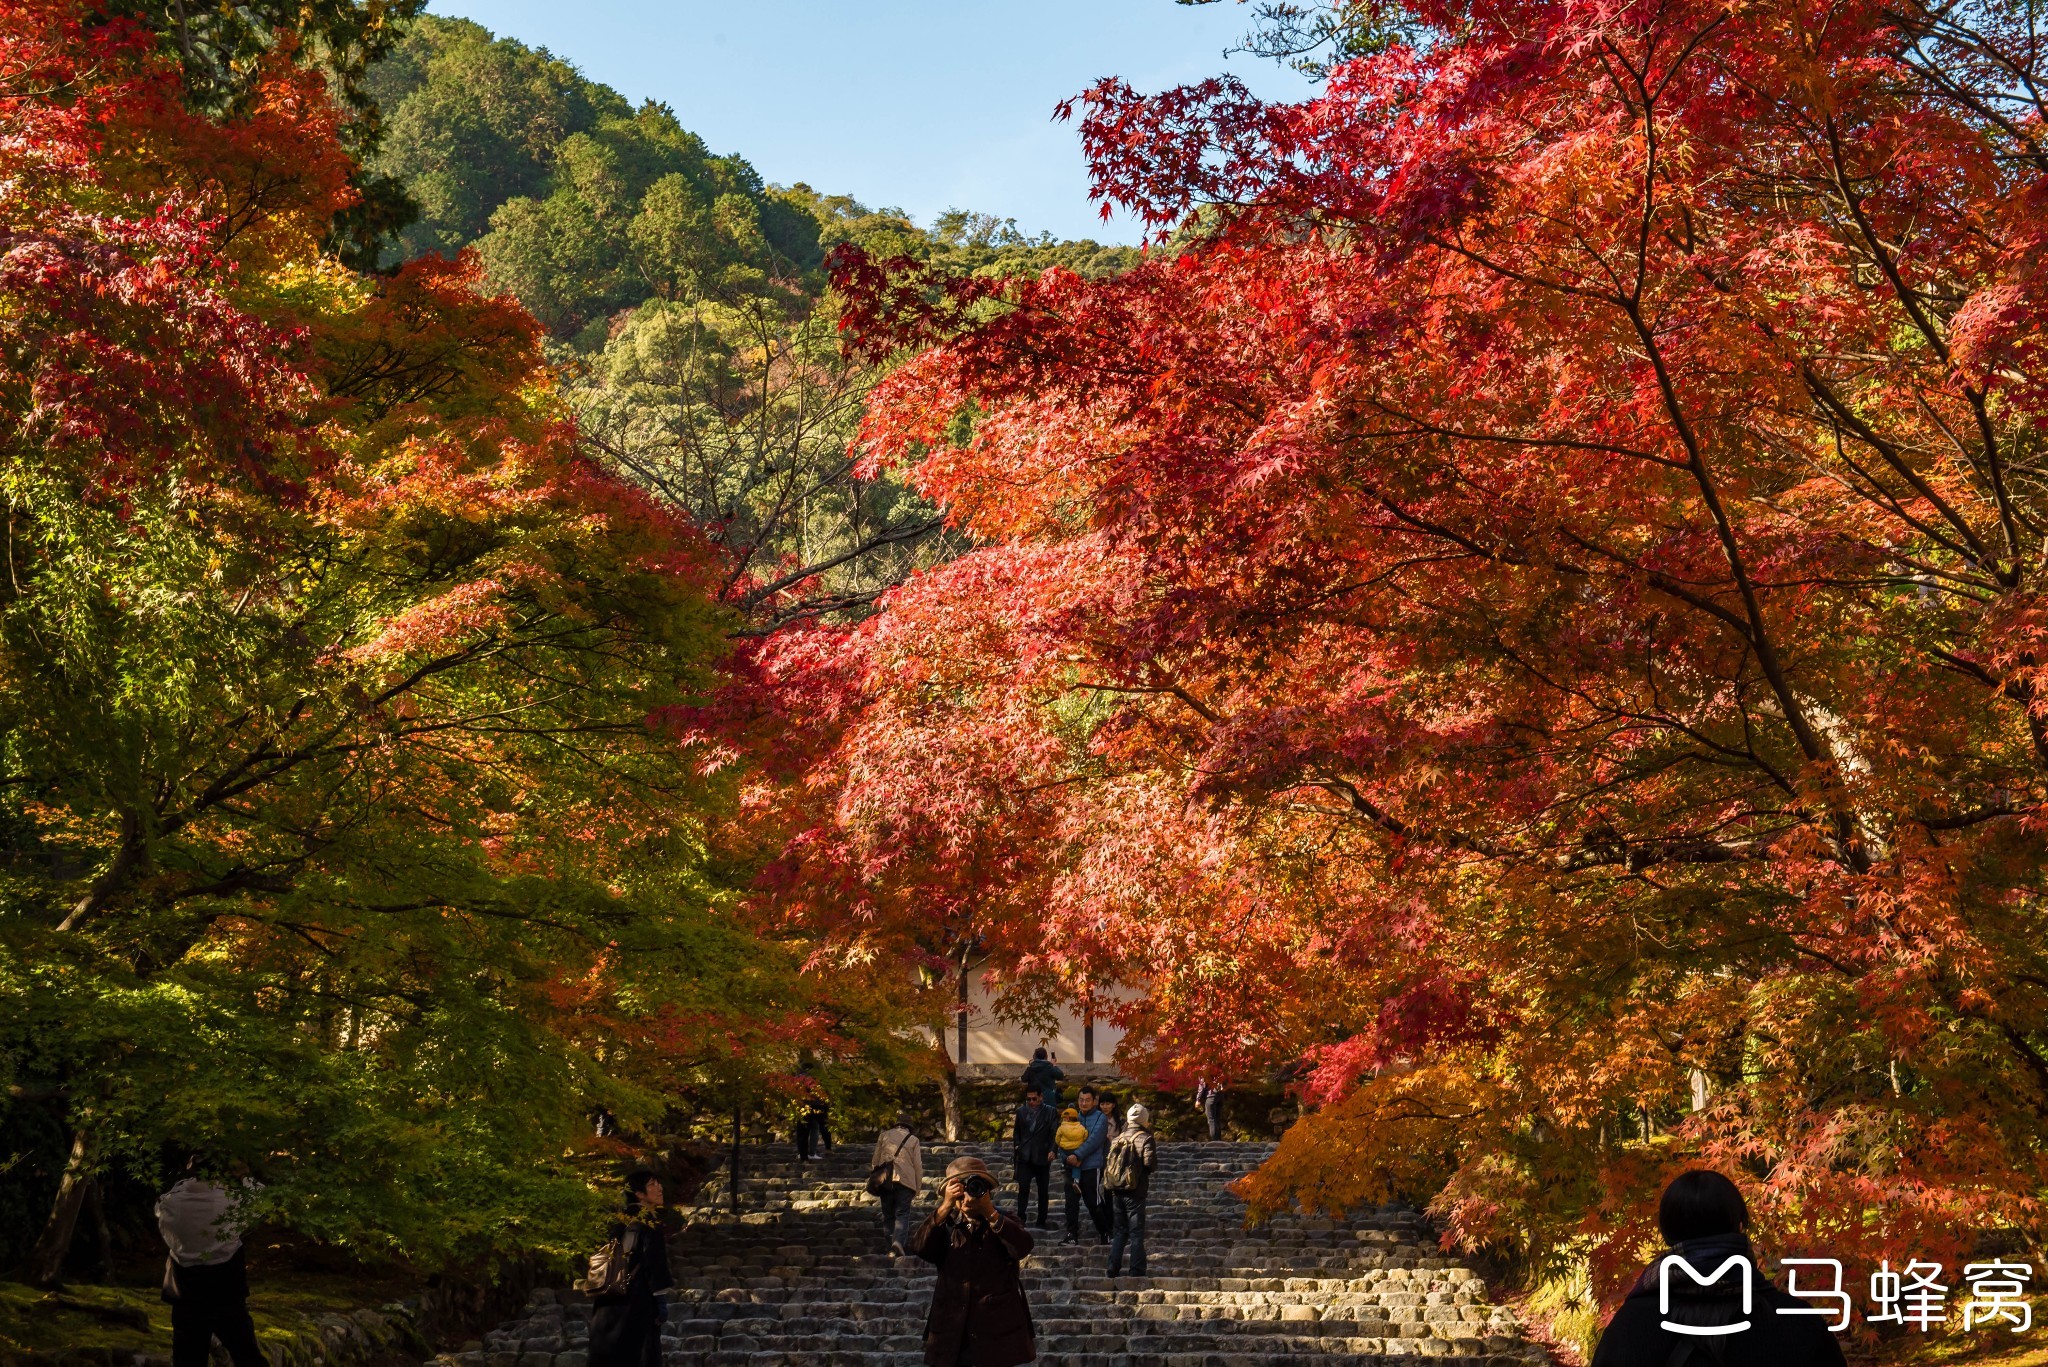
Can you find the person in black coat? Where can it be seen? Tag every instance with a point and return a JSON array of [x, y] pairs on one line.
[[1032, 1151], [1046, 1076], [625, 1330], [979, 1317], [1705, 1220]]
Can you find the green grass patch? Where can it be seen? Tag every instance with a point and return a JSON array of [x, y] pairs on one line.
[[136, 1318]]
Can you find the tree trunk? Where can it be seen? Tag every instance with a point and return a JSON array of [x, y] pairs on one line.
[[46, 1262], [949, 1097], [960, 1054], [733, 1177], [103, 1237]]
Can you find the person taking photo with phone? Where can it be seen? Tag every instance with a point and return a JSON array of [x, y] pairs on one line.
[[978, 1317]]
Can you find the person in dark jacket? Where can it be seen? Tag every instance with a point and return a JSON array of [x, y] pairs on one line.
[[1127, 1181], [814, 1118], [979, 1317], [1046, 1076], [1032, 1151], [625, 1330], [1705, 1221]]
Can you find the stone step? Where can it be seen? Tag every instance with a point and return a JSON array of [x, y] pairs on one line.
[[1370, 1352], [796, 1280]]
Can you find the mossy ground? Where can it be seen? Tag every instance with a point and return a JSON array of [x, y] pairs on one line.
[[1980, 1350], [135, 1317]]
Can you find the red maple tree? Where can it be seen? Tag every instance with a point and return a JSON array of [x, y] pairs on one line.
[[1534, 604]]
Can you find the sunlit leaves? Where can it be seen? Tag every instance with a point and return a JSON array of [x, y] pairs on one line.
[[1551, 571]]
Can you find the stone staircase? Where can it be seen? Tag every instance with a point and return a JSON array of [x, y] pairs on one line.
[[801, 1278]]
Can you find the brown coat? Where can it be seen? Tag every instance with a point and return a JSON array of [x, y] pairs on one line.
[[979, 1301]]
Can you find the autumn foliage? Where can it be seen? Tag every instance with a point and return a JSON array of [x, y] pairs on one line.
[[1534, 605], [1524, 616], [339, 833]]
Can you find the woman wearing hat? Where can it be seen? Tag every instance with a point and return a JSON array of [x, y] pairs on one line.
[[979, 1317]]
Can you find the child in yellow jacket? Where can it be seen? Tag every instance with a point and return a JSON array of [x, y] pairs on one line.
[[1072, 1134]]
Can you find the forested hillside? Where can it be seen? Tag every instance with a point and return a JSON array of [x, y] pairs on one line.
[[686, 299], [336, 840], [355, 828]]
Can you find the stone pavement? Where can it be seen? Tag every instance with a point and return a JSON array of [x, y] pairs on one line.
[[801, 1279]]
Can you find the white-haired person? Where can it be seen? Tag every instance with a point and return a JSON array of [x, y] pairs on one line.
[[1127, 1181]]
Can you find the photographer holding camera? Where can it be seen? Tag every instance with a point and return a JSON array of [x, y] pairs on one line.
[[979, 1317]]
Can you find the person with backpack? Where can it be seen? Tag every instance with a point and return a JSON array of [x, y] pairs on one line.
[[1704, 1219], [1032, 1151], [626, 1279], [1126, 1181], [895, 1176]]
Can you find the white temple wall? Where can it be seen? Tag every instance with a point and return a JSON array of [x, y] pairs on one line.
[[999, 1048]]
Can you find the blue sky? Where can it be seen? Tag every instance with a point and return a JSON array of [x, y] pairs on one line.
[[923, 104]]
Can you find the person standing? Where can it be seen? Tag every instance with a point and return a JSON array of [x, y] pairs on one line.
[[814, 1118], [814, 1129], [1032, 1150], [979, 1316], [1209, 1096], [206, 1279], [1105, 1102], [1067, 1141], [896, 1175], [1127, 1181], [1046, 1075], [1084, 1170], [625, 1328]]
